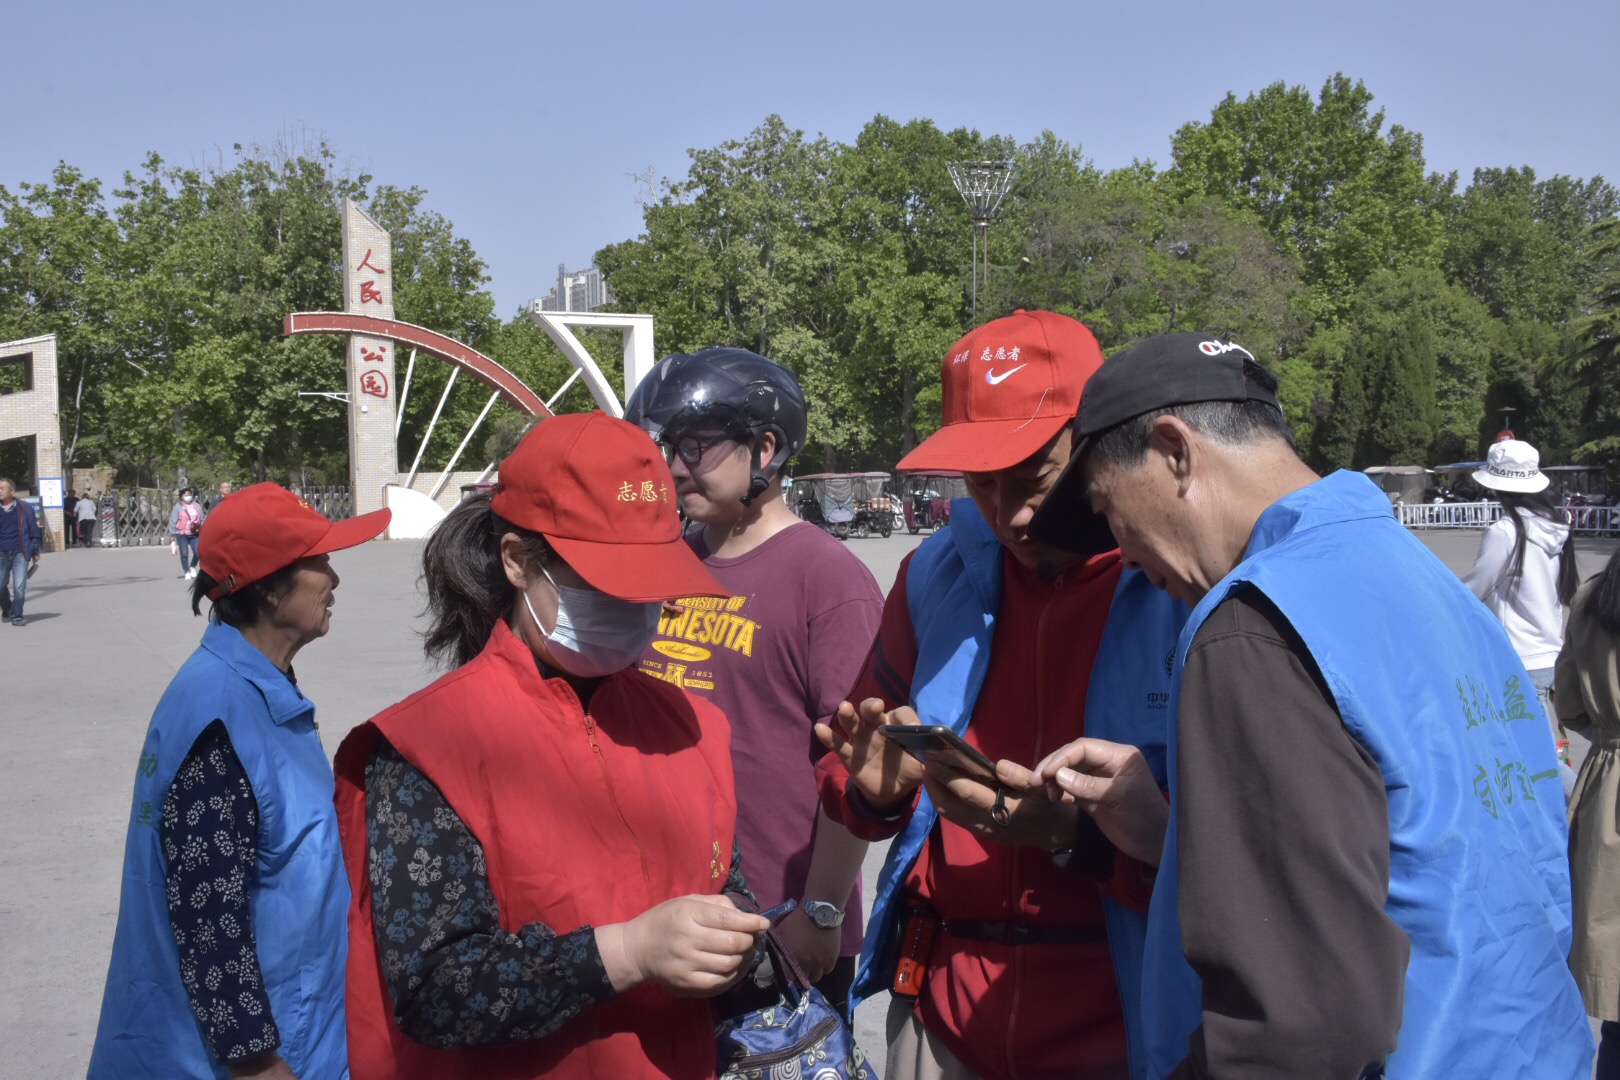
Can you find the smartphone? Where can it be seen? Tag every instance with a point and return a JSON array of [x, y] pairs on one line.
[[930, 742]]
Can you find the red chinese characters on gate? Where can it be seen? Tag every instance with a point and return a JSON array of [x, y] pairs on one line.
[[374, 383], [369, 293]]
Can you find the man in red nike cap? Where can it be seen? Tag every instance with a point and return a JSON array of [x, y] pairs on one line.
[[1001, 915], [229, 953]]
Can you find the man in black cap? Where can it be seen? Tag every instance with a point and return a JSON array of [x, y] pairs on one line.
[[1364, 870]]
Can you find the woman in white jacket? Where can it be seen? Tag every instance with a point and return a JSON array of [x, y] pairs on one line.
[[1525, 572]]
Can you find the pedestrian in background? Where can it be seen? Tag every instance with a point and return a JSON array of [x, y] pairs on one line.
[[1588, 699], [69, 501], [230, 948], [185, 522], [1525, 572], [85, 511], [19, 550]]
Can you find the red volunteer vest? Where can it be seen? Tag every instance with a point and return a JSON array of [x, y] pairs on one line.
[[584, 818]]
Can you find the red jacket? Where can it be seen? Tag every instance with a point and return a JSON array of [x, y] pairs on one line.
[[1012, 1012], [585, 817]]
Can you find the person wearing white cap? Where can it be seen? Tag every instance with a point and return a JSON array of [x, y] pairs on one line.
[[1525, 571]]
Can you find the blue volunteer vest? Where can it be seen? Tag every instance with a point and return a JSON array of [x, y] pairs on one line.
[[1426, 681], [953, 591], [298, 895]]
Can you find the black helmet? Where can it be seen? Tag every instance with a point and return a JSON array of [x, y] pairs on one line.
[[738, 391]]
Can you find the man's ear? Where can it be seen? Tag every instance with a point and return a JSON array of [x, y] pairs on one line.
[[765, 446], [1177, 446]]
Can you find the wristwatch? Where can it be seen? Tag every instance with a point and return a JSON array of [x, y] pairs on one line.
[[823, 914]]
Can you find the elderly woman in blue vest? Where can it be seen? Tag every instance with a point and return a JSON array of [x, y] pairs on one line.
[[1364, 872], [229, 955]]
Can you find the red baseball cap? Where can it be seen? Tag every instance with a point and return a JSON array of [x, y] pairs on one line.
[[599, 491], [265, 527], [1009, 387]]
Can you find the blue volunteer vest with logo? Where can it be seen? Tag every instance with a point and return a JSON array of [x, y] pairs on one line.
[[298, 895], [1426, 681], [953, 591]]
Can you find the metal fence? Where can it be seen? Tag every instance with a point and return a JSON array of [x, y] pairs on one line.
[[1587, 520], [139, 517], [1448, 515], [334, 502]]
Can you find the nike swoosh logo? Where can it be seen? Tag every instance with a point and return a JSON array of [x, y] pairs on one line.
[[996, 380]]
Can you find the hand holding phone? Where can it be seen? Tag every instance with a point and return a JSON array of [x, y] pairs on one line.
[[878, 768]]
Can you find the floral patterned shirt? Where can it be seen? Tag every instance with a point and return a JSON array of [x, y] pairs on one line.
[[455, 977], [209, 831]]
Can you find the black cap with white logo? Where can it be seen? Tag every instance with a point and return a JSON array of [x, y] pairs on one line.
[[1154, 374]]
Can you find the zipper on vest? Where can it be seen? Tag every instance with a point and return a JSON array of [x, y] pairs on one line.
[[607, 779], [1016, 962]]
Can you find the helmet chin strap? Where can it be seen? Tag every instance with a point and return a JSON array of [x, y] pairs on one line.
[[756, 488], [757, 482]]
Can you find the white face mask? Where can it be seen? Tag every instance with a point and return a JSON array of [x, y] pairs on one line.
[[596, 634], [187, 498]]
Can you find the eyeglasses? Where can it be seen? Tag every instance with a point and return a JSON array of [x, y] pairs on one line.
[[690, 448]]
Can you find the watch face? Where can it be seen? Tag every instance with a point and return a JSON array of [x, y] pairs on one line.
[[823, 914]]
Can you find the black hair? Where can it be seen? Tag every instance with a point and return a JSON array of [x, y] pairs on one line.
[[1228, 422], [184, 490], [467, 589], [1515, 505], [1603, 604], [240, 608]]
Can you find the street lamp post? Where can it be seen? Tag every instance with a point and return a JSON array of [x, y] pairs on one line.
[[982, 185]]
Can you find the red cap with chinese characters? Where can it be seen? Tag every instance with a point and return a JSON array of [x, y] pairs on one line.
[[598, 490], [1009, 387], [265, 527]]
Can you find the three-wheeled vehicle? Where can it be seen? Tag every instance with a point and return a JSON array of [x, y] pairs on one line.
[[846, 504], [928, 496], [825, 499], [875, 504]]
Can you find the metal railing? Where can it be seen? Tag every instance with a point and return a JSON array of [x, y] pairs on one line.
[[1599, 520], [139, 517], [1586, 520], [334, 502], [1476, 515]]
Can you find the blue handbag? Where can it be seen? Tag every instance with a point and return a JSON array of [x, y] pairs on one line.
[[801, 1037]]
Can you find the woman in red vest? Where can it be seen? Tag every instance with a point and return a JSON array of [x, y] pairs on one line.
[[539, 842]]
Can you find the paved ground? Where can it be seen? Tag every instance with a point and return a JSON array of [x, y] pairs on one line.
[[107, 630]]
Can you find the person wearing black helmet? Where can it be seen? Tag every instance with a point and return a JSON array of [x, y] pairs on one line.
[[779, 653]]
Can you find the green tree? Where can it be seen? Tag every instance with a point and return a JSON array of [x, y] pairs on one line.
[[1326, 180], [1516, 244], [1595, 362], [1350, 370], [1117, 252], [57, 240], [1402, 430]]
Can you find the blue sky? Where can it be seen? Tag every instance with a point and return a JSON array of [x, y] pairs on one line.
[[526, 121]]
